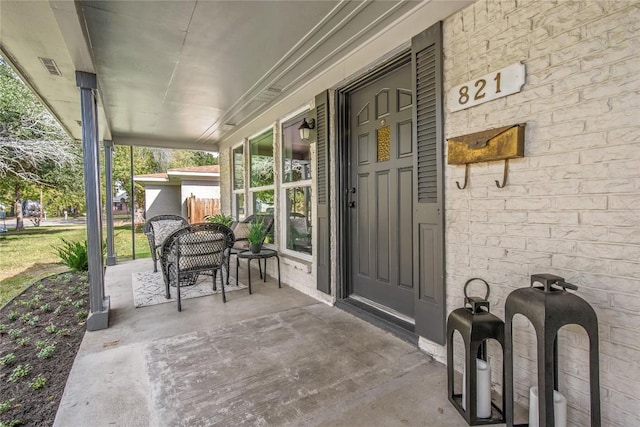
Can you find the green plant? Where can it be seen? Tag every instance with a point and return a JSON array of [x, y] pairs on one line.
[[220, 218], [26, 317], [3, 328], [58, 310], [74, 255], [5, 406], [77, 304], [40, 344], [13, 315], [45, 307], [63, 332], [82, 314], [38, 382], [15, 333], [51, 328], [22, 342], [19, 371], [7, 359], [12, 423], [47, 351], [255, 232]]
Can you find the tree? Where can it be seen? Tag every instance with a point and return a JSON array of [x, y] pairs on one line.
[[33, 146]]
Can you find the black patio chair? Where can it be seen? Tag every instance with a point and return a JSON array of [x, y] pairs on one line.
[[157, 229], [196, 249], [241, 232]]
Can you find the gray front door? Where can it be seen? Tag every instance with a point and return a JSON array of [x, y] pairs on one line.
[[381, 191]]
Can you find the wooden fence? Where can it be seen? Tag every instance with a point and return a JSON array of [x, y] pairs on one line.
[[197, 209]]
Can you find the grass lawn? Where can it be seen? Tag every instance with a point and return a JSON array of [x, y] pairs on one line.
[[29, 255]]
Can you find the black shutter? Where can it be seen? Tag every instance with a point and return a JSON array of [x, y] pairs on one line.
[[430, 307], [323, 233]]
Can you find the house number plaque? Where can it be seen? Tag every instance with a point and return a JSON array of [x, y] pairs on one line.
[[497, 84]]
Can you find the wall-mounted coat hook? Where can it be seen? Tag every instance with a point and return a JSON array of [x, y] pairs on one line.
[[504, 175], [466, 178]]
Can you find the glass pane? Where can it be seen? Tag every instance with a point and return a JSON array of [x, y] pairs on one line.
[[239, 207], [238, 168], [384, 144], [263, 203], [261, 157], [296, 153], [299, 219]]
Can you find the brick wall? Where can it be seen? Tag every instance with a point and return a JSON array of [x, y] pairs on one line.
[[572, 205]]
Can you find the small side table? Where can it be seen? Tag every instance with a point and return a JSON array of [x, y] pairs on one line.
[[263, 254]]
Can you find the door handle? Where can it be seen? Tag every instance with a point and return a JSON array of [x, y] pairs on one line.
[[352, 204]]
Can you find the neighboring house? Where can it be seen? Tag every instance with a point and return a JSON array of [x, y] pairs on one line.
[[120, 203], [166, 193]]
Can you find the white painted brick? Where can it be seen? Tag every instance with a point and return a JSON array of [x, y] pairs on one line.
[[609, 120], [609, 186], [610, 153], [625, 202], [528, 204], [508, 217], [478, 263], [625, 402], [581, 203], [624, 68], [609, 251], [608, 283], [528, 230], [562, 218], [579, 233], [484, 228], [611, 218], [506, 266], [570, 144], [581, 264], [629, 337], [594, 108], [552, 246], [624, 235], [528, 257], [628, 169], [624, 134], [623, 268]]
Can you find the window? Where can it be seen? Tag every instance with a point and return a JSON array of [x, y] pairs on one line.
[[261, 176], [239, 206], [296, 185]]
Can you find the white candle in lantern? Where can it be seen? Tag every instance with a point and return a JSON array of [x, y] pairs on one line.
[[483, 389], [559, 408]]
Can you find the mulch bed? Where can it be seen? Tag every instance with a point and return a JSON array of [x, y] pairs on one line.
[[40, 333]]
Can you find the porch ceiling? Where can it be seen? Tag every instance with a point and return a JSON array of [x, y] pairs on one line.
[[182, 74]]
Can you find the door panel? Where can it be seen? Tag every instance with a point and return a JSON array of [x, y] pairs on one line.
[[381, 173]]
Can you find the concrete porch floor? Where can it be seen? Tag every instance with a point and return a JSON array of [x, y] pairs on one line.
[[273, 358]]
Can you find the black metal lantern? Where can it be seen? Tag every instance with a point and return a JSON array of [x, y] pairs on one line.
[[305, 128], [476, 325], [550, 307]]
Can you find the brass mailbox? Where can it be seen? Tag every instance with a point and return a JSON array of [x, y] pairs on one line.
[[502, 143]]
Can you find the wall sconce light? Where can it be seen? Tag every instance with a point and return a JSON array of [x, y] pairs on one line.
[[305, 128]]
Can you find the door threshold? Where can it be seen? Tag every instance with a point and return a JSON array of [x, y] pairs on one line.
[[383, 319], [384, 309]]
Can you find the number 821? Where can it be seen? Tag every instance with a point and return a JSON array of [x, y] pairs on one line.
[[480, 86]]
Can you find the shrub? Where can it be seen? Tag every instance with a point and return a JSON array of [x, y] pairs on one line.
[[74, 255], [46, 351]]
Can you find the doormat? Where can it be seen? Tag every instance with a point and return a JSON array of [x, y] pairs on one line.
[[149, 288]]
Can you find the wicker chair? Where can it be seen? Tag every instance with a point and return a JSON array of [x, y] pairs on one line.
[[196, 249], [241, 231], [157, 229]]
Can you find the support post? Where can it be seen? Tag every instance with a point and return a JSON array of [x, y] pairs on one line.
[[98, 304], [132, 198], [108, 170]]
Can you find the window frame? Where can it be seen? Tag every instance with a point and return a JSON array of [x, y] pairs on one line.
[[303, 112], [238, 191], [250, 197]]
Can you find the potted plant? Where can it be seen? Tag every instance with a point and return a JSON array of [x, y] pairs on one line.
[[255, 236], [220, 218]]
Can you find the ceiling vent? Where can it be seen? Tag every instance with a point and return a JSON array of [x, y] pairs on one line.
[[51, 66], [268, 94], [228, 126]]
